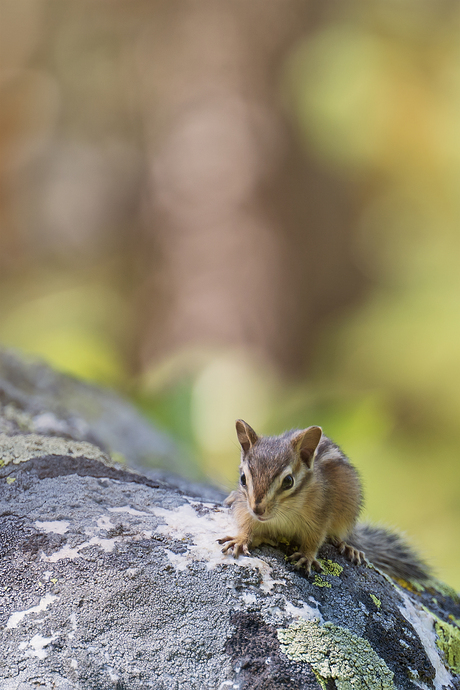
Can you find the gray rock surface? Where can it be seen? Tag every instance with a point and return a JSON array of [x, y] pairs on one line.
[[35, 398], [112, 580]]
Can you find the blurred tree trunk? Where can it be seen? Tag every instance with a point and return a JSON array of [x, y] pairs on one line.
[[253, 237], [153, 139]]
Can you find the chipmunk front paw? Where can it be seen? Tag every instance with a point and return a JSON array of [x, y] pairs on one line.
[[308, 562], [235, 544]]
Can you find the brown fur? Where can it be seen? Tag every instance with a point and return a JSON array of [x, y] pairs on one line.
[[322, 505]]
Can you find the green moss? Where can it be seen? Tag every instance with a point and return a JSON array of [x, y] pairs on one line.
[[448, 642], [448, 639], [442, 588], [376, 601], [10, 480], [330, 567], [320, 680], [319, 582], [411, 586], [336, 653]]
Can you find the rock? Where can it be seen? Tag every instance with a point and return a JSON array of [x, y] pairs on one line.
[[113, 580], [37, 399]]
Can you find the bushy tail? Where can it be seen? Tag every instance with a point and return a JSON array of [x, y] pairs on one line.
[[389, 552]]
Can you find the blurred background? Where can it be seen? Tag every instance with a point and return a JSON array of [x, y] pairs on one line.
[[247, 209]]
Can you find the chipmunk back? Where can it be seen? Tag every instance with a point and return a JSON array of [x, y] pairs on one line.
[[300, 487]]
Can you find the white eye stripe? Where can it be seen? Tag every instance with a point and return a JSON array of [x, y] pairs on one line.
[[288, 471]]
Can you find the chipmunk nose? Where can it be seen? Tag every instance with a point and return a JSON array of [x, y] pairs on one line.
[[258, 509]]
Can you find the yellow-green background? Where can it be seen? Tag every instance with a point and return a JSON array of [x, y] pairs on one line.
[[370, 96]]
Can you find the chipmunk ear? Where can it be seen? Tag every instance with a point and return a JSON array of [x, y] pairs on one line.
[[306, 442], [246, 435]]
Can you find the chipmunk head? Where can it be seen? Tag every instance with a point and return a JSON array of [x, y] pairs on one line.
[[275, 468]]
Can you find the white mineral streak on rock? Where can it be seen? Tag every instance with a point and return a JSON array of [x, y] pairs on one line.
[[179, 561], [128, 510], [204, 530], [104, 523], [56, 526], [106, 545], [305, 611], [423, 624], [72, 552], [38, 643], [73, 620], [16, 618], [65, 552], [112, 675]]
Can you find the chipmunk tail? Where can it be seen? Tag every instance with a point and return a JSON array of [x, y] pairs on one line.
[[389, 552]]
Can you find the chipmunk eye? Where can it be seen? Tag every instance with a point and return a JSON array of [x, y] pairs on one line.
[[243, 480], [288, 482]]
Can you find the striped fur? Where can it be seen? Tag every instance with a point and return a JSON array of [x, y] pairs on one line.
[[322, 504]]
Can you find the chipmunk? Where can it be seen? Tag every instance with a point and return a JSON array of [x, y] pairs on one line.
[[300, 487]]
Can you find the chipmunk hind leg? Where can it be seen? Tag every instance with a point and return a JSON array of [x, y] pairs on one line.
[[351, 553]]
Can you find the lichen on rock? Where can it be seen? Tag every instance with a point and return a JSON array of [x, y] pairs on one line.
[[376, 601], [336, 653], [23, 447], [448, 641], [331, 567]]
